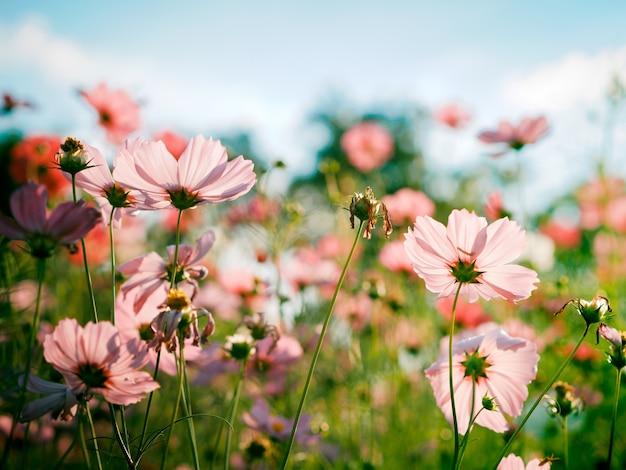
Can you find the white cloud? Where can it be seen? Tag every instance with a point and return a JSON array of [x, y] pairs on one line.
[[572, 81]]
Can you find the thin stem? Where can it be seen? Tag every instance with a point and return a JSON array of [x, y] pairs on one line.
[[455, 423], [112, 254], [232, 413], [127, 456], [176, 244], [540, 398], [149, 404], [179, 393], [92, 429], [320, 341], [565, 443], [83, 442], [187, 408], [618, 381], [41, 271], [469, 425], [85, 261]]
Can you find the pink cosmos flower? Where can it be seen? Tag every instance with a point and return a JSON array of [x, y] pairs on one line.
[[595, 200], [94, 360], [118, 113], [529, 131], [306, 267], [174, 143], [470, 252], [494, 207], [152, 275], [44, 231], [498, 366], [406, 204], [278, 427], [97, 181], [513, 462], [203, 174], [272, 361], [368, 146], [452, 116]]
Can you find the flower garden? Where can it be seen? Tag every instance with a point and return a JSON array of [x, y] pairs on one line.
[[163, 307]]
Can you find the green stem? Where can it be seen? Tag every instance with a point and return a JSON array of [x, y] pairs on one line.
[[179, 394], [92, 429], [83, 442], [232, 413], [455, 423], [469, 426], [149, 404], [618, 381], [320, 341], [540, 398], [187, 408], [112, 254], [565, 443], [41, 271], [127, 456], [177, 243], [85, 262]]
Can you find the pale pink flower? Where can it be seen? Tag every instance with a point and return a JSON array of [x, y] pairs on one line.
[[368, 146], [498, 366], [470, 252], [494, 207], [174, 143], [94, 360], [393, 257], [595, 200], [452, 116], [97, 181], [261, 419], [203, 174], [152, 275], [513, 462], [118, 113], [44, 231], [59, 400], [272, 361], [406, 204], [355, 310], [528, 131], [306, 267]]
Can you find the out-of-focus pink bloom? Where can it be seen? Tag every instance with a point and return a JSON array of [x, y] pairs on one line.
[[563, 234], [152, 275], [60, 401], [610, 255], [97, 181], [278, 427], [528, 131], [501, 368], [41, 435], [616, 214], [595, 200], [33, 159], [469, 315], [470, 252], [330, 246], [393, 257], [452, 116], [94, 360], [137, 326], [203, 174], [118, 114], [242, 282], [494, 207], [257, 209], [174, 143], [224, 304], [406, 204], [355, 310], [188, 222], [23, 296], [307, 268], [513, 462], [272, 361], [368, 146], [44, 231]]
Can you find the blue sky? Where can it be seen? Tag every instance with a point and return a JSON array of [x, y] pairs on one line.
[[206, 67]]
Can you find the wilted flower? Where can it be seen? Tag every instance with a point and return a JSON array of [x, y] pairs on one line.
[[367, 208], [203, 174], [566, 401], [93, 360], [42, 231], [118, 113], [71, 157], [493, 363], [470, 252]]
